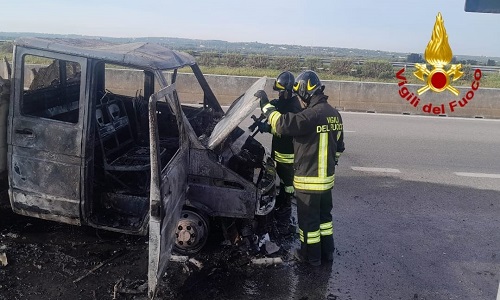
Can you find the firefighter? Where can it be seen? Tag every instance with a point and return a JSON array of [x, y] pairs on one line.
[[282, 151], [318, 141]]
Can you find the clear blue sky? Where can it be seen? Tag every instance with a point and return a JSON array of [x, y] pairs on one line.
[[388, 25]]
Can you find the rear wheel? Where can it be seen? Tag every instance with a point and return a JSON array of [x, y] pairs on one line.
[[191, 232]]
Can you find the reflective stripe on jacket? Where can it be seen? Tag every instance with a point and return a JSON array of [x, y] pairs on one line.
[[282, 145], [317, 140]]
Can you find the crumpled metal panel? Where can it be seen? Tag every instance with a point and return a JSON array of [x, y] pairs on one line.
[[218, 190], [144, 55]]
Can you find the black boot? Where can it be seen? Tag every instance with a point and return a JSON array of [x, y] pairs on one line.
[[282, 217], [313, 254], [328, 250]]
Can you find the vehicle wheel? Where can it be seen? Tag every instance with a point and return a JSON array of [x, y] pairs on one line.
[[191, 232]]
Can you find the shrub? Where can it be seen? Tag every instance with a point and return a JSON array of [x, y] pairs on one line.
[[6, 47], [286, 63], [341, 66], [209, 59], [468, 73], [377, 68], [313, 63], [258, 61], [233, 60]]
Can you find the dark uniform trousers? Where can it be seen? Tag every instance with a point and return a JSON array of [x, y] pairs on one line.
[[315, 224], [285, 173]]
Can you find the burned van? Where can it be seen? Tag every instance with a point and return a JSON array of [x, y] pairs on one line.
[[99, 135]]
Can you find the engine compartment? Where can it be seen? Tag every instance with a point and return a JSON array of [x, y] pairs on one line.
[[239, 152]]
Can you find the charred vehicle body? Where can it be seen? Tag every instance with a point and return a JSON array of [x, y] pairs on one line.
[[81, 150]]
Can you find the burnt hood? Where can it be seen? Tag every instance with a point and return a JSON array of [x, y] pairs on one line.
[[240, 110]]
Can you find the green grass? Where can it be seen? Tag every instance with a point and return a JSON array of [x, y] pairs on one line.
[[489, 80], [8, 55]]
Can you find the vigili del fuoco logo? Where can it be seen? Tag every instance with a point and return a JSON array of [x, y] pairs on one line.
[[439, 77]]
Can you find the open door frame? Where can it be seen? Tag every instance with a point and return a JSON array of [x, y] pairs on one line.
[[168, 189]]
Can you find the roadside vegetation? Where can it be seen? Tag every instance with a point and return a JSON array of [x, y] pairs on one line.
[[345, 69], [372, 70]]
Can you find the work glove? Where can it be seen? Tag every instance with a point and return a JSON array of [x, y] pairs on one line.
[[261, 94], [264, 127], [265, 106], [337, 156]]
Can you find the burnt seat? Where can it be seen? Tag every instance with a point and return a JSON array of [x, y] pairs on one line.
[[120, 151]]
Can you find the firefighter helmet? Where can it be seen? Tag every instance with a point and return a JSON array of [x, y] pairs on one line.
[[284, 82], [306, 84]]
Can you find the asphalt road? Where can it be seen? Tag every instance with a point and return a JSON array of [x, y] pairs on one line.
[[416, 216], [416, 213]]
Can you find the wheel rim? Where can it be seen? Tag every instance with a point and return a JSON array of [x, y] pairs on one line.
[[191, 232]]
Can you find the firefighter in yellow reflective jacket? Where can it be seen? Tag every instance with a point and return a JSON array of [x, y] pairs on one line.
[[318, 141], [282, 150]]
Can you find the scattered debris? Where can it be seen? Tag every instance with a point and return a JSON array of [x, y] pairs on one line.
[[263, 239], [267, 261], [197, 263], [3, 260], [100, 265], [271, 247], [179, 258], [12, 235], [226, 243], [184, 259], [132, 288], [296, 255]]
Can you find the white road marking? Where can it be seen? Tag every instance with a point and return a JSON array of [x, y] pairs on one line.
[[349, 131], [498, 293], [418, 116], [478, 175], [380, 170]]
